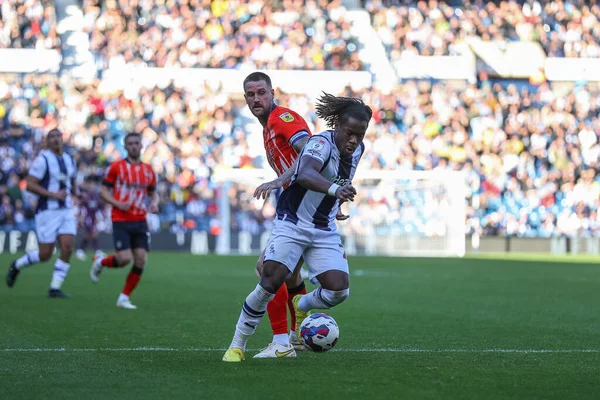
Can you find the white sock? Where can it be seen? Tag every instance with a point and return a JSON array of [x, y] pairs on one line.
[[61, 269], [33, 257], [253, 310], [293, 336], [122, 297], [319, 298], [282, 339]]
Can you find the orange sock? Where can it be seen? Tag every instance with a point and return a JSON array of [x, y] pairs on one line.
[[109, 261], [133, 278], [277, 311], [301, 289]]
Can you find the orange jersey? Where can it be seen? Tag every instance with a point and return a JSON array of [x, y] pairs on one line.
[[131, 183], [284, 128]]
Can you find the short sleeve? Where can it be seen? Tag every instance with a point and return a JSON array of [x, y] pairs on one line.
[[110, 177], [38, 167], [290, 126], [318, 148]]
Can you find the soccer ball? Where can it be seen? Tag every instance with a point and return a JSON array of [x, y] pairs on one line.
[[319, 332]]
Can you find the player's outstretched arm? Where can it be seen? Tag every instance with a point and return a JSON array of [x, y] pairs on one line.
[[33, 186], [286, 177], [309, 177], [264, 190]]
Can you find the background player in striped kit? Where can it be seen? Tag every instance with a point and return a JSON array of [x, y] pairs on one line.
[[52, 178], [305, 224], [126, 186]]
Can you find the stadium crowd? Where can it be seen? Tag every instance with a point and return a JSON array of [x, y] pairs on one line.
[[563, 28], [250, 34], [531, 157], [28, 24], [530, 153]]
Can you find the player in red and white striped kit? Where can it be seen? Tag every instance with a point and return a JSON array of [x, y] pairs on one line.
[[127, 185]]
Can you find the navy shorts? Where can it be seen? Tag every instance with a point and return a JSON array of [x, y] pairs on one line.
[[131, 235]]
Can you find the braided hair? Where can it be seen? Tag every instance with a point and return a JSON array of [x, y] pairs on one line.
[[337, 109]]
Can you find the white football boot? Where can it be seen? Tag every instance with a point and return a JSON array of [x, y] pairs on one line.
[[276, 350], [125, 303], [96, 269]]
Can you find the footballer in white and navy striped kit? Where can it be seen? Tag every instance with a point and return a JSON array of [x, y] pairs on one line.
[[305, 224], [52, 178], [310, 209]]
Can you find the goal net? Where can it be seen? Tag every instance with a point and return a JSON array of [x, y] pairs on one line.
[[414, 213]]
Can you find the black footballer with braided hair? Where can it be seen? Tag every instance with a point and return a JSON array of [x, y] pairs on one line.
[[348, 116], [306, 214]]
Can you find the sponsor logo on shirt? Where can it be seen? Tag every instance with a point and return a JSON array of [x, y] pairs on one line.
[[342, 181]]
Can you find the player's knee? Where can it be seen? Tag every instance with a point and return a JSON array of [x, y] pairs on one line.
[[45, 255], [139, 260], [273, 276], [66, 252], [335, 297], [66, 248], [295, 280], [123, 260]]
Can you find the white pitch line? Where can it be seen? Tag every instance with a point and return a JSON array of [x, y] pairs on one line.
[[381, 350]]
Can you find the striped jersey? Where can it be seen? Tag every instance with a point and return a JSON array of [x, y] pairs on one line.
[[284, 128], [304, 207], [131, 183], [55, 173]]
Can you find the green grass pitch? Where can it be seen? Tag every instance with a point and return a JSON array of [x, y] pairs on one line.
[[473, 328]]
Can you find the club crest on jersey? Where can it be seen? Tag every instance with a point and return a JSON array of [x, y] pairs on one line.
[[318, 145], [286, 117]]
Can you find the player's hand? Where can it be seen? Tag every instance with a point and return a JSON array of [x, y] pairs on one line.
[[60, 196], [345, 193], [340, 216], [153, 208], [123, 206], [264, 190]]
